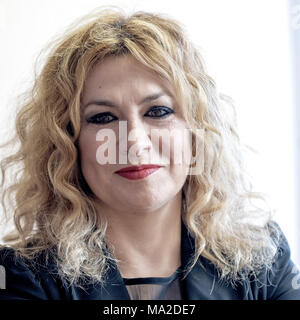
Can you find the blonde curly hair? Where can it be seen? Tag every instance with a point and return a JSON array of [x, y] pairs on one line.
[[53, 207]]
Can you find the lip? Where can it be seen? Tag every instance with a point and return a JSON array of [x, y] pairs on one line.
[[135, 173], [139, 168]]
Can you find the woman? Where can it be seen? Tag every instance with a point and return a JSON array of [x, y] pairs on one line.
[[84, 228]]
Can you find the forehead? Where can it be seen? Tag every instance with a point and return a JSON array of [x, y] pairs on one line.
[[115, 73]]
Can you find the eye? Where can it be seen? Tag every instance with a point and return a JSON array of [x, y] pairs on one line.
[[159, 112], [107, 117], [101, 118]]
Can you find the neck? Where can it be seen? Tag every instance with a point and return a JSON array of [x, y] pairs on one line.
[[147, 244]]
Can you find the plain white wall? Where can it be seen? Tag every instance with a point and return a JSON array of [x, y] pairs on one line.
[[246, 48]]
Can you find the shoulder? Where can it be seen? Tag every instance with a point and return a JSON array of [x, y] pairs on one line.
[[23, 279], [282, 280], [13, 261]]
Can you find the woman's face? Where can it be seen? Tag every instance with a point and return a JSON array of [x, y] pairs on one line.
[[122, 89]]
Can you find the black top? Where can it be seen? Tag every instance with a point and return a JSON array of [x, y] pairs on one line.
[[154, 288], [282, 282]]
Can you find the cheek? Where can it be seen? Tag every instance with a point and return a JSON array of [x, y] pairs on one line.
[[87, 146], [88, 149], [180, 147]]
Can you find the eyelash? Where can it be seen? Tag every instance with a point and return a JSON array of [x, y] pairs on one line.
[[94, 118]]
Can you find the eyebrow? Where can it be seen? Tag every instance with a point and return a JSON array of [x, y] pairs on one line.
[[108, 103]]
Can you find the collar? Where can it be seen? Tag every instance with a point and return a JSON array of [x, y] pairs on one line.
[[114, 287]]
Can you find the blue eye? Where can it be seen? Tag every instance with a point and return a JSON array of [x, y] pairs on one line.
[[107, 117]]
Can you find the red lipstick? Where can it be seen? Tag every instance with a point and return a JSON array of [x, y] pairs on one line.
[[138, 172]]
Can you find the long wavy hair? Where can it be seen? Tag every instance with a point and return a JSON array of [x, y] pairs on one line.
[[52, 205]]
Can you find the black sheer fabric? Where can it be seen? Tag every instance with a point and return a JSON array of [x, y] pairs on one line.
[[154, 288]]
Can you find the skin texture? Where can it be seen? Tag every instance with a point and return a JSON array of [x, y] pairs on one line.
[[143, 215]]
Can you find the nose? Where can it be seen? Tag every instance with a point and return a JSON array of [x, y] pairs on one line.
[[138, 140]]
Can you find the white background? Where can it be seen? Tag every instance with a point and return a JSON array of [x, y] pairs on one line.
[[246, 45]]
